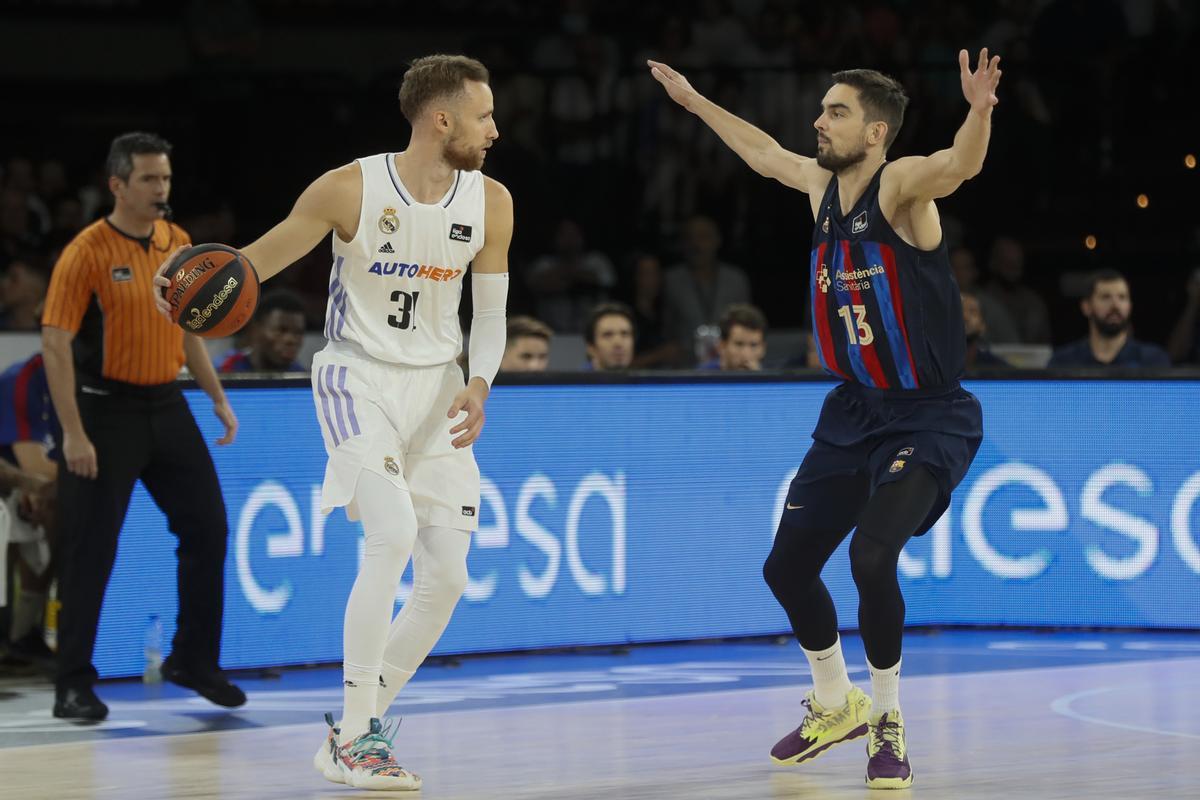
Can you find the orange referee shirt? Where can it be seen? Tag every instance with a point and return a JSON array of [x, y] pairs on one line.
[[102, 291]]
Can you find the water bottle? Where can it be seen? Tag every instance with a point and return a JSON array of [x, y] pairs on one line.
[[50, 628], [154, 645]]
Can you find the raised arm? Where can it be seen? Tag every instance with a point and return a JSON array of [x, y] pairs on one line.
[[331, 202], [764, 155], [938, 175]]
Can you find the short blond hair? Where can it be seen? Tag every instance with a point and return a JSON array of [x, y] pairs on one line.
[[433, 77]]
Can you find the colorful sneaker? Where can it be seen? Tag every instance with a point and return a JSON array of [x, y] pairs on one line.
[[368, 763], [822, 728], [326, 760], [887, 763]]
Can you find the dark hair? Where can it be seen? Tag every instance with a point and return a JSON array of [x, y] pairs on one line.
[[742, 314], [606, 310], [284, 300], [1106, 275], [520, 327], [120, 154], [883, 98], [432, 77]]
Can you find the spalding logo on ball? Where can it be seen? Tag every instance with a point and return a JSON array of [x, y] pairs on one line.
[[213, 291]]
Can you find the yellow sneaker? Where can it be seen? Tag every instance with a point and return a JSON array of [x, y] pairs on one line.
[[822, 728], [887, 753]]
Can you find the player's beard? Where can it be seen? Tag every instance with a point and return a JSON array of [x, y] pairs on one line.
[[459, 156], [1110, 329], [836, 163]]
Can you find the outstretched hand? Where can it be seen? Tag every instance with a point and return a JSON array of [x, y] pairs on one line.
[[979, 87], [676, 85]]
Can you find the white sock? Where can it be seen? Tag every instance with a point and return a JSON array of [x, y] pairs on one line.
[[885, 689], [831, 682], [389, 529], [439, 578], [360, 686]]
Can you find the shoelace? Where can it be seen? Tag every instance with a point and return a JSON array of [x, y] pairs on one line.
[[887, 733], [376, 748], [813, 717]]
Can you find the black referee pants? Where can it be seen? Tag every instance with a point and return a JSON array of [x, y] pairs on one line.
[[151, 435]]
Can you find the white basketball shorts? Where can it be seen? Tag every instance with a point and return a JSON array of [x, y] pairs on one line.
[[392, 421]]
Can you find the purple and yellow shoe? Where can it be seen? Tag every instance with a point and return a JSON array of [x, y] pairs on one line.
[[822, 728], [887, 762]]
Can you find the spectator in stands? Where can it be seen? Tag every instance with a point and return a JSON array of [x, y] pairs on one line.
[[527, 348], [1182, 346], [743, 342], [609, 337], [999, 325], [1023, 304], [653, 350], [569, 281], [698, 289], [22, 292], [1108, 310], [275, 336], [979, 354], [18, 231]]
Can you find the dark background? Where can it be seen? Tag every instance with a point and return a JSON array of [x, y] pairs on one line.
[[260, 97]]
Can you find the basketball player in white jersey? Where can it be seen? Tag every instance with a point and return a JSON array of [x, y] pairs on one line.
[[397, 419]]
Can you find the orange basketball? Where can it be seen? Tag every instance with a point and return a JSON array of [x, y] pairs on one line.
[[213, 291]]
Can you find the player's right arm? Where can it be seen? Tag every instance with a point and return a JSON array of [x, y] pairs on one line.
[[330, 203], [757, 148]]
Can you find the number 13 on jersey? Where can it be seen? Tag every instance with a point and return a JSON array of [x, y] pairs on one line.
[[858, 330]]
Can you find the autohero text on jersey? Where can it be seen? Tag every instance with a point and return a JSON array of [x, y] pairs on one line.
[[415, 271]]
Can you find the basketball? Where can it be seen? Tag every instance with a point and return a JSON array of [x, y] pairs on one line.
[[213, 291]]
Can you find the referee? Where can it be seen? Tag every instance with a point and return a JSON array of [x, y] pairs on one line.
[[111, 362]]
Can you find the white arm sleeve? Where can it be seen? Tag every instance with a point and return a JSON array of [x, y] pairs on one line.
[[489, 293]]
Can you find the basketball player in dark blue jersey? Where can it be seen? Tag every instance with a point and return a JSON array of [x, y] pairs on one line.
[[898, 433]]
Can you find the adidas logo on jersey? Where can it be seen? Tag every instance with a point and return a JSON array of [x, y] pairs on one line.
[[387, 248]]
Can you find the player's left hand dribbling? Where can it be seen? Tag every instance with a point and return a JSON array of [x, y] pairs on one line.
[[470, 400]]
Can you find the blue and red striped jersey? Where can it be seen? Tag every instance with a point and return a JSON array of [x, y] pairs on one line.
[[26, 414], [885, 314]]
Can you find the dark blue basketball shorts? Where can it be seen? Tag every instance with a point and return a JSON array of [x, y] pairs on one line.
[[885, 437]]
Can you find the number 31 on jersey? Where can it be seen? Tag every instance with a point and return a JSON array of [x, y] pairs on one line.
[[406, 302]]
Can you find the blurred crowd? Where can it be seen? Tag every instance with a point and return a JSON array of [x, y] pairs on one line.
[[623, 198]]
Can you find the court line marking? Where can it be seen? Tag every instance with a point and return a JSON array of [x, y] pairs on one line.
[[1062, 706]]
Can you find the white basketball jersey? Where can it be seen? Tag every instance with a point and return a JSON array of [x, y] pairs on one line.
[[394, 290]]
